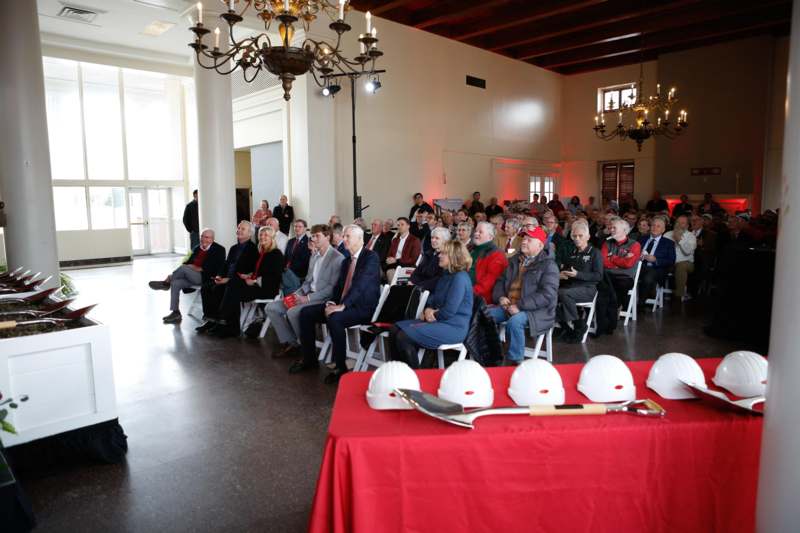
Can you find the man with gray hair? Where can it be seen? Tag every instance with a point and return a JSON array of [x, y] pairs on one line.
[[352, 303], [580, 272], [204, 262], [281, 239]]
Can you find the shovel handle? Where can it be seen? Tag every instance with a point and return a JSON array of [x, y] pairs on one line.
[[569, 409], [8, 324]]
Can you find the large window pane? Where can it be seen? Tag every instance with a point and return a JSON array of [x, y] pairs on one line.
[[102, 115], [64, 118], [108, 207], [70, 208], [152, 116], [190, 114]]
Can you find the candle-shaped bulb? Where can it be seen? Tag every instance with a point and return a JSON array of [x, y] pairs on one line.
[[341, 9], [199, 12], [374, 36], [368, 16], [216, 37], [596, 120], [620, 117], [658, 88], [230, 5], [286, 5]]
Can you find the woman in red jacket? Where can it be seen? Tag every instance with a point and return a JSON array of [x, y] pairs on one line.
[[488, 262], [620, 258]]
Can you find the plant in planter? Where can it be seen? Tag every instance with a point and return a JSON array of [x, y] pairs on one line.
[[6, 477]]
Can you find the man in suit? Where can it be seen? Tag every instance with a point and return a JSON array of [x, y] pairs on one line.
[[658, 258], [284, 213], [404, 250], [205, 261], [379, 241], [419, 205], [241, 259], [337, 239], [296, 256], [323, 274], [353, 302]]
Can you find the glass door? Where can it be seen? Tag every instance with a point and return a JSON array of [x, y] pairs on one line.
[[140, 234], [160, 220]]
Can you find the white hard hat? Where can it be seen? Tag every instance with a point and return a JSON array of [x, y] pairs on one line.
[[390, 376], [606, 378], [466, 382], [742, 373], [668, 372], [536, 382]]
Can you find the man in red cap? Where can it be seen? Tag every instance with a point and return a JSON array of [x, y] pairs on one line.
[[526, 293]]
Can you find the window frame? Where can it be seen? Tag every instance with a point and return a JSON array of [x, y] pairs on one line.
[[618, 89]]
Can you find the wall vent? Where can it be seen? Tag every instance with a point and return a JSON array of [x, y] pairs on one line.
[[78, 14], [472, 81]]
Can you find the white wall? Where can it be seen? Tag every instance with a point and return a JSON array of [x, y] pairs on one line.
[[426, 131], [95, 244], [266, 162]]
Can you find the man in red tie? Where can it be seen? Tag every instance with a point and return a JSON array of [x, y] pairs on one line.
[[354, 300], [379, 241]]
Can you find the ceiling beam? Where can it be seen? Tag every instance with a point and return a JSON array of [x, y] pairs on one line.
[[533, 35], [446, 12], [613, 32], [388, 6], [635, 57], [540, 12], [664, 39]]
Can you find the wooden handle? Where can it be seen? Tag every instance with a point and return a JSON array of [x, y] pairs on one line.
[[8, 324], [568, 409]]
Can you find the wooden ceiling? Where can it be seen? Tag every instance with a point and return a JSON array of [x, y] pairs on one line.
[[572, 36]]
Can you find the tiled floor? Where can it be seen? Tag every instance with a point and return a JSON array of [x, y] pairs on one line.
[[221, 437]]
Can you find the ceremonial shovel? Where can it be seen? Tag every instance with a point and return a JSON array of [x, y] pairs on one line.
[[454, 413], [69, 317], [721, 399], [38, 313], [33, 298]]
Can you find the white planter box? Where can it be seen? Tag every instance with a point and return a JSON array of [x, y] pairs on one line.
[[68, 376]]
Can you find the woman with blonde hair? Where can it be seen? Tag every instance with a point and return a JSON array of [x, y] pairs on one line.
[[447, 313], [263, 283]]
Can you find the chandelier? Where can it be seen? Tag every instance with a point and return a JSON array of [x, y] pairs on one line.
[[642, 113], [258, 53]]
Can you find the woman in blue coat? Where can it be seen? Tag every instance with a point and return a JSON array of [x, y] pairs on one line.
[[448, 311]]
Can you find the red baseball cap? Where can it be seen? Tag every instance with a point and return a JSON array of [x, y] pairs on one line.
[[536, 233]]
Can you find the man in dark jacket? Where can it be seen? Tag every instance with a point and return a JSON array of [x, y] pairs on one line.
[[205, 261], [581, 270], [284, 213], [526, 293], [354, 300], [379, 240], [419, 205], [658, 258], [191, 221], [419, 226], [241, 259], [297, 256]]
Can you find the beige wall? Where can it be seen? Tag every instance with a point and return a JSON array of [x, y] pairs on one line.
[[241, 163], [426, 131]]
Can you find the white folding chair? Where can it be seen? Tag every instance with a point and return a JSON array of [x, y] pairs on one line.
[[545, 338], [401, 274], [630, 313], [591, 318], [367, 357], [462, 352], [661, 292], [196, 302], [248, 314]]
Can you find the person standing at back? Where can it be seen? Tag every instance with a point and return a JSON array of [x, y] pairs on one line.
[[284, 213], [191, 221]]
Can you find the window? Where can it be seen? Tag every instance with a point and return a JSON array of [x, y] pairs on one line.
[[610, 98], [107, 205], [616, 179], [64, 119], [70, 208], [102, 122], [543, 185]]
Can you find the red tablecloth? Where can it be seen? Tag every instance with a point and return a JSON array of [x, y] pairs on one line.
[[694, 470]]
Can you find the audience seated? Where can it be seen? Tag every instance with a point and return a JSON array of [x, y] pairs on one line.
[[241, 259], [705, 254], [379, 239], [709, 206], [488, 263], [284, 213], [404, 249], [656, 204], [555, 205], [337, 239], [685, 245], [428, 272], [574, 205], [353, 302], [447, 313], [620, 259], [419, 205], [419, 226], [262, 282], [323, 274], [683, 207], [464, 234], [388, 228], [204, 263], [493, 208], [261, 215], [297, 256], [526, 293], [475, 205], [556, 243], [511, 239], [281, 239], [581, 271], [658, 258]]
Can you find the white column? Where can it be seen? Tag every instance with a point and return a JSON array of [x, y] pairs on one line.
[[25, 181], [217, 182], [779, 477]]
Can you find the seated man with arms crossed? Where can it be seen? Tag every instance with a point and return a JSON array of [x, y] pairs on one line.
[[202, 265], [353, 302], [323, 273]]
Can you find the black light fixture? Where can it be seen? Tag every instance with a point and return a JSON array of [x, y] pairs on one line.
[[331, 90], [373, 85]]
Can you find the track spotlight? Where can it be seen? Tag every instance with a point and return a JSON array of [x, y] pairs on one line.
[[373, 85], [331, 90]]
